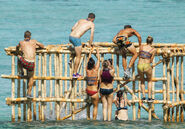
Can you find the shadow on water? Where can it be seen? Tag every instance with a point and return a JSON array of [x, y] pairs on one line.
[[139, 124]]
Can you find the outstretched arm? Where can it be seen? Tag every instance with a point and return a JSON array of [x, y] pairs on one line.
[[153, 54], [39, 44], [74, 26], [138, 36], [98, 61], [92, 34]]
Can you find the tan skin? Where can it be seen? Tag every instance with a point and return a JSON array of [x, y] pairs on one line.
[[77, 31], [123, 103], [107, 99], [94, 73], [128, 32], [29, 49], [148, 72]]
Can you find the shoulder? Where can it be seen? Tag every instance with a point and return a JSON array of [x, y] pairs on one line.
[[21, 42]]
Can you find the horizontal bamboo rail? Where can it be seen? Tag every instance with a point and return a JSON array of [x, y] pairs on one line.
[[67, 97]]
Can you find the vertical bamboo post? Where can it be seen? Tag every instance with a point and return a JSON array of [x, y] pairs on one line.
[[13, 88], [182, 89], [168, 88], [57, 86], [42, 85], [34, 93], [134, 89], [60, 74], [24, 95], [39, 86], [51, 83], [84, 73], [139, 96], [177, 88], [65, 58], [173, 88], [153, 86], [18, 94], [164, 93], [117, 68]]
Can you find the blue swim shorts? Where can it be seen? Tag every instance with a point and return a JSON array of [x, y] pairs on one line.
[[75, 41]]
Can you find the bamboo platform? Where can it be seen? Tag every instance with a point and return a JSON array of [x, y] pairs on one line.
[[56, 93]]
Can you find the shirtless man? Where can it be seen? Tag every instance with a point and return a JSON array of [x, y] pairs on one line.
[[121, 39], [82, 26], [28, 48]]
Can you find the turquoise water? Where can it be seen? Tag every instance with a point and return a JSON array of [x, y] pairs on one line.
[[50, 22]]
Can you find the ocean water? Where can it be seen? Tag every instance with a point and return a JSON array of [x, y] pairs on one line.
[[50, 22]]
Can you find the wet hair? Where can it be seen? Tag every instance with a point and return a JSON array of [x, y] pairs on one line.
[[127, 26], [105, 64], [27, 34], [110, 60], [149, 40], [91, 15], [119, 93], [90, 64]]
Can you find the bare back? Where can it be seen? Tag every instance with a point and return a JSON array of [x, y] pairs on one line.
[[147, 48], [81, 27], [128, 32], [29, 48]]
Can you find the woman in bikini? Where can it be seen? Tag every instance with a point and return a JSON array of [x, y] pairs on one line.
[[121, 105], [146, 56], [92, 82], [106, 88]]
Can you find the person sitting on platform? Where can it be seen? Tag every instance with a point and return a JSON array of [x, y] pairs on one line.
[[106, 88], [121, 105], [82, 26], [27, 60], [92, 82], [122, 40], [146, 56]]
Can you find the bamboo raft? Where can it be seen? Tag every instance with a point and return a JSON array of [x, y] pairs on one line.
[[64, 97]]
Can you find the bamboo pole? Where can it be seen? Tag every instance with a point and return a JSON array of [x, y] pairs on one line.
[[177, 88], [57, 88], [42, 85], [24, 95], [65, 58], [139, 96], [168, 88], [164, 93], [18, 94], [133, 88], [51, 83], [39, 86], [182, 88], [13, 88], [153, 85], [84, 73], [34, 94], [173, 88]]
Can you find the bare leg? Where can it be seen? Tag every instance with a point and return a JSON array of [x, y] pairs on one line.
[[104, 103], [149, 77], [20, 69], [124, 61], [78, 57], [95, 100], [132, 50], [110, 99], [30, 82], [141, 75]]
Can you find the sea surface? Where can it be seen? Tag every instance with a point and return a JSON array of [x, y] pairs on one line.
[[50, 22]]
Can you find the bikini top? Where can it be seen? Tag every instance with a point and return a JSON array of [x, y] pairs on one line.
[[145, 54], [106, 76], [91, 81], [119, 106]]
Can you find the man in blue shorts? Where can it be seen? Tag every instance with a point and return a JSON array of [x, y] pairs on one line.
[[82, 26]]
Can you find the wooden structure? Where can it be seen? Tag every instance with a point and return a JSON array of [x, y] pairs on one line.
[[56, 91]]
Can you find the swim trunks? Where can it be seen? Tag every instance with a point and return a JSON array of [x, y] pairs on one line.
[[29, 65], [143, 67], [75, 41], [123, 41]]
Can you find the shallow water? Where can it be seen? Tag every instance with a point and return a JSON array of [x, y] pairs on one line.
[[50, 22]]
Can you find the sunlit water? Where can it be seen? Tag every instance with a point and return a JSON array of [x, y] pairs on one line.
[[50, 22]]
